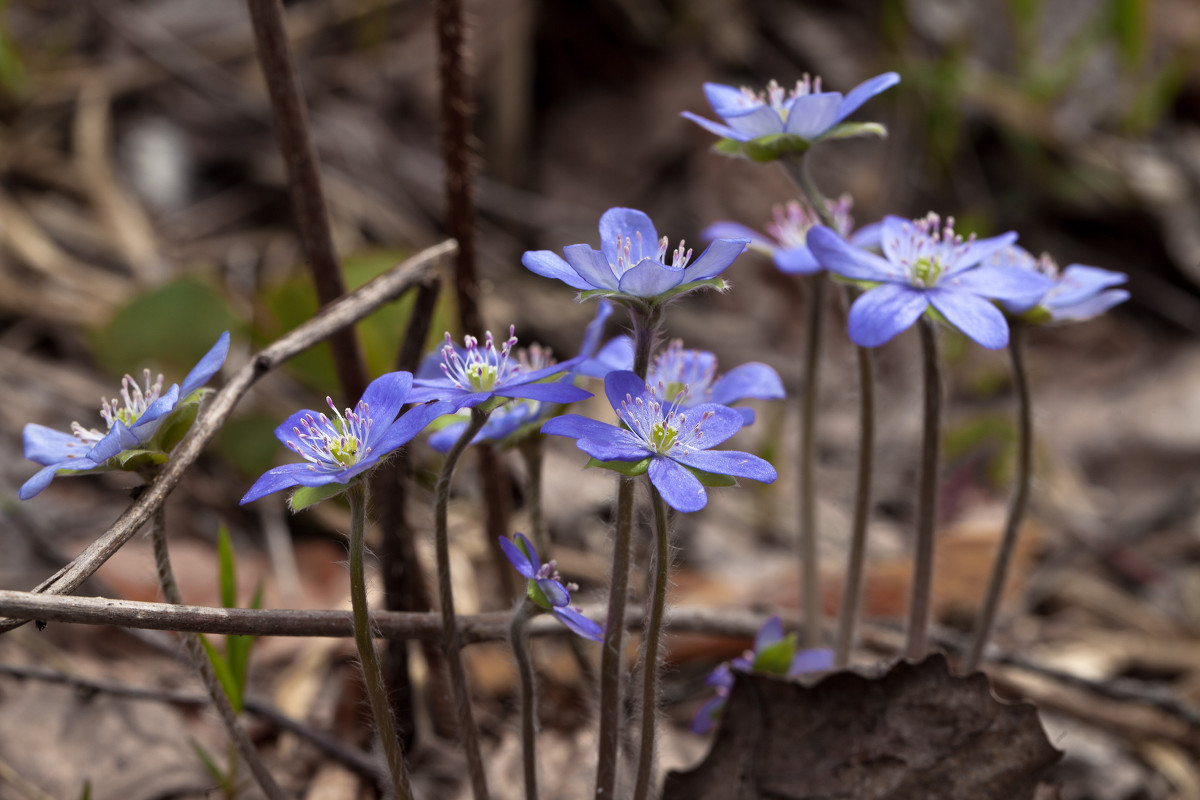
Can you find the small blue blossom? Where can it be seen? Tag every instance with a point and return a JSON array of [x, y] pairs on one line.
[[1078, 292], [694, 372], [773, 654], [765, 125], [632, 261], [924, 265], [546, 589], [665, 439], [140, 428], [474, 375], [786, 241], [338, 450]]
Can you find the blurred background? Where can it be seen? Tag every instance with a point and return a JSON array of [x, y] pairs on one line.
[[143, 210]]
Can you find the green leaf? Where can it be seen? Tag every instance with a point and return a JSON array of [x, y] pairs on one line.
[[178, 423], [209, 764], [774, 146], [708, 283], [730, 147], [227, 569], [138, 460], [535, 593], [86, 794], [849, 130], [630, 469], [776, 659], [1129, 27], [306, 496], [249, 443], [224, 674]]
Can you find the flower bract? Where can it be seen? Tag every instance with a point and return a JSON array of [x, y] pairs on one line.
[[339, 449], [545, 587], [668, 441], [1078, 292], [694, 372], [472, 375], [141, 427], [926, 265], [773, 654], [632, 261], [786, 241], [776, 122]]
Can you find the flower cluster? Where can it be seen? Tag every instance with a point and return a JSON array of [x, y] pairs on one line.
[[773, 654], [545, 587], [140, 428], [664, 439]]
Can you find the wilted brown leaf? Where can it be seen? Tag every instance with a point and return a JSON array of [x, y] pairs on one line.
[[915, 732]]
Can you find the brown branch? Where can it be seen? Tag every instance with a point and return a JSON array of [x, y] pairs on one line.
[[217, 409], [304, 181]]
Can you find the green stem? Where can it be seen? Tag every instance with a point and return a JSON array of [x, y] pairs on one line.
[[1020, 499], [372, 677], [237, 734], [520, 648], [927, 497], [451, 636], [855, 568], [653, 636], [645, 330]]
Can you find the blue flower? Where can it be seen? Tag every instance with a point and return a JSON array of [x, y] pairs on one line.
[[766, 125], [631, 262], [773, 654], [1078, 292], [925, 264], [668, 442], [140, 428], [546, 589], [787, 235], [335, 451], [473, 375], [695, 371]]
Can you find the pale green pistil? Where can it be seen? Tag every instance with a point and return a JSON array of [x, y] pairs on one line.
[[662, 437], [926, 271], [482, 377]]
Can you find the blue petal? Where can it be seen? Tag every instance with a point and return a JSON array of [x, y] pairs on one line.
[[1086, 309], [811, 115], [555, 592], [730, 462], [145, 426], [864, 92], [595, 330], [617, 354], [521, 563], [386, 395], [736, 230], [286, 430], [836, 255], [724, 131], [818, 659], [680, 489], [1078, 282], [796, 261], [722, 423], [881, 313], [895, 238], [747, 380], [979, 250], [579, 624], [770, 633], [550, 265], [1022, 287], [406, 428], [621, 384], [117, 439], [275, 479], [48, 446], [557, 392], [706, 716], [715, 259], [207, 366], [755, 122], [729, 100], [41, 479], [650, 278], [629, 224], [592, 267], [973, 315], [868, 237], [599, 440], [577, 426]]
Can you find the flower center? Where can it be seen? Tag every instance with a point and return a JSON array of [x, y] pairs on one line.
[[480, 369], [333, 445], [680, 370], [928, 250], [926, 271], [630, 253], [127, 410], [662, 429]]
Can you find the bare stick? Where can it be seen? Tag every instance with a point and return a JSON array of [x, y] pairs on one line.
[[304, 181], [217, 409]]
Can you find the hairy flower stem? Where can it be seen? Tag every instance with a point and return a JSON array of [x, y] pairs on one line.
[[531, 452], [520, 647], [852, 590], [451, 636], [237, 734], [653, 635], [810, 577], [1020, 499], [372, 676], [927, 496], [645, 330]]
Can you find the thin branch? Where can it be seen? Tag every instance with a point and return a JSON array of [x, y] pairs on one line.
[[216, 410]]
